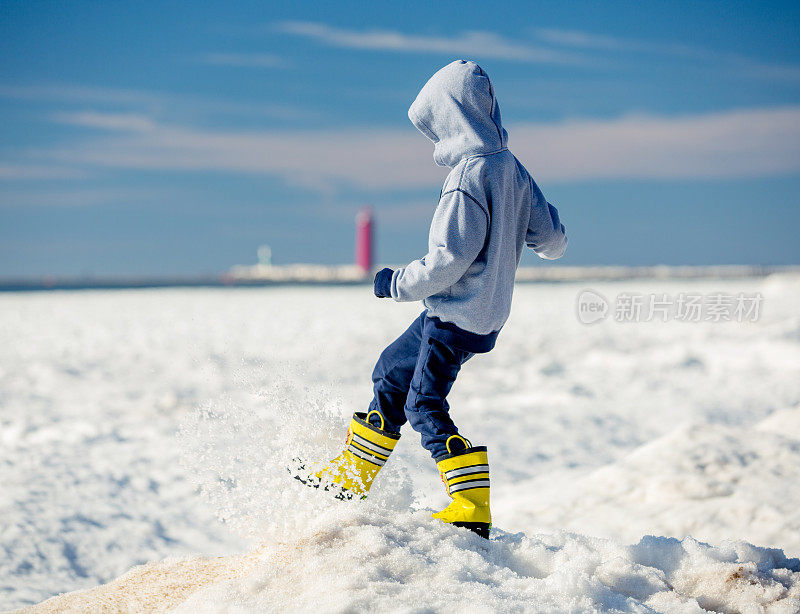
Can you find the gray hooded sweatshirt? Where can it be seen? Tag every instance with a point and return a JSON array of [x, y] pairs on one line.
[[488, 209]]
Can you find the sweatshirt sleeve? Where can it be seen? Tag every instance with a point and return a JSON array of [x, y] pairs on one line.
[[546, 234], [458, 233]]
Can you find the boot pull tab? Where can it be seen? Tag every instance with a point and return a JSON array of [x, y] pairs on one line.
[[380, 415], [467, 443]]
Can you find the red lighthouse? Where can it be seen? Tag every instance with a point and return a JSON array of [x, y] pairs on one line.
[[364, 240]]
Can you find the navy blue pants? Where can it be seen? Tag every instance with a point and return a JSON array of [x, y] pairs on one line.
[[411, 381]]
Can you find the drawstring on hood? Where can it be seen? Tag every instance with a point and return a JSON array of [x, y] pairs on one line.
[[457, 110]]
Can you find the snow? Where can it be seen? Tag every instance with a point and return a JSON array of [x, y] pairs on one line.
[[708, 481], [357, 559], [132, 421]]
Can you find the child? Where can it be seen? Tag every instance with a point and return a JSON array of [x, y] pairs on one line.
[[488, 209]]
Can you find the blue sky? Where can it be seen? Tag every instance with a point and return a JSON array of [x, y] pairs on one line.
[[169, 137]]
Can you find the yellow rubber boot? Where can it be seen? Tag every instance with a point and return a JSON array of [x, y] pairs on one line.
[[465, 473], [366, 450]]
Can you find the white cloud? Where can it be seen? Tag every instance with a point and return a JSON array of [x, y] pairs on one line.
[[561, 47], [373, 159], [243, 60], [467, 44], [752, 67], [22, 172], [588, 40], [65, 92], [731, 144], [162, 103], [77, 197], [126, 122]]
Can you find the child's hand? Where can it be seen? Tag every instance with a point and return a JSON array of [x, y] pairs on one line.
[[383, 283]]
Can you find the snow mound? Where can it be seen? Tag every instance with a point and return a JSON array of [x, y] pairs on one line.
[[712, 481], [358, 558], [785, 422]]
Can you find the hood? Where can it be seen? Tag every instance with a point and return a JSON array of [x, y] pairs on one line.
[[457, 110]]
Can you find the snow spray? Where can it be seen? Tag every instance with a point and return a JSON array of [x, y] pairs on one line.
[[238, 453]]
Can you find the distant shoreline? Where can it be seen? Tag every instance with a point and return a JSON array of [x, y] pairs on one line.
[[331, 276], [33, 285]]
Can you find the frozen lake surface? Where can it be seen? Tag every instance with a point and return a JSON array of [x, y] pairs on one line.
[[132, 422]]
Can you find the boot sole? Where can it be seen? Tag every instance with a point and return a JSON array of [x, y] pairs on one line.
[[480, 528], [312, 482]]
